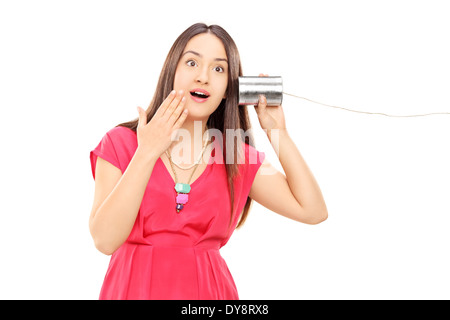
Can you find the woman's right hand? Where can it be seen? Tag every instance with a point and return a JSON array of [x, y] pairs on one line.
[[154, 138]]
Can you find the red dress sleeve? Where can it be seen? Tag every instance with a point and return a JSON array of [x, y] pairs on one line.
[[253, 161], [117, 147]]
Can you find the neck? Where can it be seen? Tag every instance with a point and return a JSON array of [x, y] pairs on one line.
[[189, 142]]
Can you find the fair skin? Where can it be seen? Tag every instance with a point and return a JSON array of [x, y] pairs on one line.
[[203, 65], [295, 195], [118, 196]]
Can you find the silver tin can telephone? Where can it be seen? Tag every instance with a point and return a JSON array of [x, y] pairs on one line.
[[250, 88]]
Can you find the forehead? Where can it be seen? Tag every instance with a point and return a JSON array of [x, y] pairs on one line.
[[208, 45]]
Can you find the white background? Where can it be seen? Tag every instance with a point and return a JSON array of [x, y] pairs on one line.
[[71, 70]]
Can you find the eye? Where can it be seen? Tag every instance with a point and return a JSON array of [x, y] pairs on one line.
[[191, 63], [219, 69]]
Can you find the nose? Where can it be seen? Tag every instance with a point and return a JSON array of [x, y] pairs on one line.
[[202, 76]]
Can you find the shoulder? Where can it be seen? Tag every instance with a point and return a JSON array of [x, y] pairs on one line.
[[122, 138], [249, 160], [252, 155], [117, 146], [123, 142], [121, 132]]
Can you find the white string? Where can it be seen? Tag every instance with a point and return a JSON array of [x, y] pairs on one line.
[[376, 113]]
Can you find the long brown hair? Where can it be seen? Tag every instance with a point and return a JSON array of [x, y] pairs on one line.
[[228, 115]]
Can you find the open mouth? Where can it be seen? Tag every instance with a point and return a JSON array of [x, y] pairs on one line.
[[199, 94]]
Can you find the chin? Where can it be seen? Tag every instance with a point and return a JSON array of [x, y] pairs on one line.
[[199, 112], [197, 117]]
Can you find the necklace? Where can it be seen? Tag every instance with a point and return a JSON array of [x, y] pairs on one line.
[[198, 159], [183, 189]]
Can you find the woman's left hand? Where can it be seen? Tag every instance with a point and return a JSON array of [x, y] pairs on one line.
[[269, 117]]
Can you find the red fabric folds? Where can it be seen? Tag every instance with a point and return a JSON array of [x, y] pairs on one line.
[[170, 255]]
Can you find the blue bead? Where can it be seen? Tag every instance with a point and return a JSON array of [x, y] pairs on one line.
[[182, 188]]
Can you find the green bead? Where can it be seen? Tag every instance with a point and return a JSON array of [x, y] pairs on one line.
[[182, 188]]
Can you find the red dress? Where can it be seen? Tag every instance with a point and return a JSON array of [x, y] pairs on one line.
[[170, 255]]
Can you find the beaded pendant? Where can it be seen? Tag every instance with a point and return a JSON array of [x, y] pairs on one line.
[[182, 190]]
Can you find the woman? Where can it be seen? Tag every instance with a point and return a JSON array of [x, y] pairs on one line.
[[164, 222]]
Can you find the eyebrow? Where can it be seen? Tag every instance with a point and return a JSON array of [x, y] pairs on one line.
[[199, 55]]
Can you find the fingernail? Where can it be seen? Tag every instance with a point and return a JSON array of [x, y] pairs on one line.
[[261, 98], [172, 92]]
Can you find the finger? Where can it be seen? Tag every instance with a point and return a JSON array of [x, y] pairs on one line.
[[262, 103], [181, 119], [174, 104], [166, 103], [142, 117], [177, 112]]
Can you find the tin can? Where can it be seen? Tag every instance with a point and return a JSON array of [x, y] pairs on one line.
[[250, 88]]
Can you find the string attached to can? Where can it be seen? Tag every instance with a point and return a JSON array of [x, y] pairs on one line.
[[374, 113], [251, 87]]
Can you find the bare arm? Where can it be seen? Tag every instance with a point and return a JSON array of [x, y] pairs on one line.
[[117, 200], [118, 197], [296, 195]]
